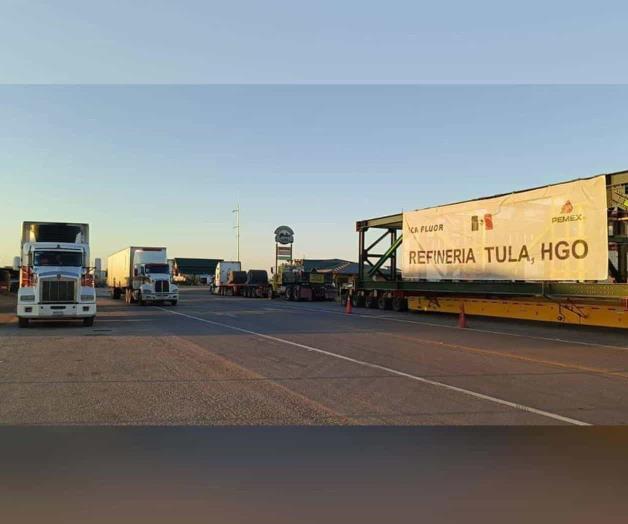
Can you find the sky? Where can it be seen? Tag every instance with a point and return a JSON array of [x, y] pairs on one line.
[[324, 41], [166, 165], [152, 120]]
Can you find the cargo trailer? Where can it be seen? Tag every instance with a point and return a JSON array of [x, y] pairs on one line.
[[556, 253]]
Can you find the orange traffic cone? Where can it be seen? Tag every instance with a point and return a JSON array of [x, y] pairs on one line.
[[462, 319], [348, 307]]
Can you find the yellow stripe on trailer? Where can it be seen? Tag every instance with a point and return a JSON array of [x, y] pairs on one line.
[[579, 313]]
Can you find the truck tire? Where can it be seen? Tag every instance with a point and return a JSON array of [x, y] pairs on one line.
[[89, 321], [140, 300], [174, 302], [371, 302], [383, 302], [23, 322], [399, 304]]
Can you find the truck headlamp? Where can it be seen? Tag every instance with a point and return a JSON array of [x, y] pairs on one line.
[[27, 298]]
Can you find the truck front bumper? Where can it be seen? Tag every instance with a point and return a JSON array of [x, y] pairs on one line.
[[160, 297], [56, 311]]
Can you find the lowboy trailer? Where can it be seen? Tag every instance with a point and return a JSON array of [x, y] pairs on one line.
[[561, 248]]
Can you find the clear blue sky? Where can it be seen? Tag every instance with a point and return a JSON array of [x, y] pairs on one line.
[[321, 41], [165, 165]]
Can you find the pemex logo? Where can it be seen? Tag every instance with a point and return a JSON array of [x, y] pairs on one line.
[[567, 214], [567, 208]]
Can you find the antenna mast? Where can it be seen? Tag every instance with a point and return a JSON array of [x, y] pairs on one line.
[[237, 228]]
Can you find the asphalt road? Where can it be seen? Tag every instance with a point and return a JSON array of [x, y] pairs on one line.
[[233, 361]]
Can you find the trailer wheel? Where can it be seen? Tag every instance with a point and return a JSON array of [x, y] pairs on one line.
[[399, 304], [357, 300], [88, 322], [383, 302], [371, 302], [23, 322]]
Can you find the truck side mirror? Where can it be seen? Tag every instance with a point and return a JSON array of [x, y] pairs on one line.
[[16, 263]]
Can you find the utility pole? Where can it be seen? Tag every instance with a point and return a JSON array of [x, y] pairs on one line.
[[237, 228]]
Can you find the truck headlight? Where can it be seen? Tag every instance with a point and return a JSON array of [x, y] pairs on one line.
[[27, 298], [87, 298]]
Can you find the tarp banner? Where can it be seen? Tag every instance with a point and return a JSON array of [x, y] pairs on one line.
[[557, 232]]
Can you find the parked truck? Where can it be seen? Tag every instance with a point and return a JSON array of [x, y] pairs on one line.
[[221, 279], [249, 284], [142, 276], [56, 281], [256, 285], [292, 282]]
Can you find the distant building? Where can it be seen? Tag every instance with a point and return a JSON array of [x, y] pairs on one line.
[[199, 271]]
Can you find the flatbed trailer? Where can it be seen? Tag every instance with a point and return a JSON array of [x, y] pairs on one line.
[[255, 285], [582, 303]]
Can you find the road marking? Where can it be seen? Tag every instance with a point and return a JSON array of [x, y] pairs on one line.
[[513, 356], [474, 394], [101, 320], [477, 330]]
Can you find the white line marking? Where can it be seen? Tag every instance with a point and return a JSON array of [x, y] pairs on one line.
[[101, 320], [476, 330], [416, 378]]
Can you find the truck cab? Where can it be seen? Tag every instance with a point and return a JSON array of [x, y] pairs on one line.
[[151, 281], [142, 275], [55, 278]]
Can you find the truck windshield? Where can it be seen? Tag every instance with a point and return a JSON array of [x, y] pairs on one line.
[[158, 268], [57, 258]]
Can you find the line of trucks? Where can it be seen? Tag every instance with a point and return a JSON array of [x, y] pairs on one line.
[[290, 282], [57, 282]]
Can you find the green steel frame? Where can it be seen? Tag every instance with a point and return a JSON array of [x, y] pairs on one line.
[[373, 277]]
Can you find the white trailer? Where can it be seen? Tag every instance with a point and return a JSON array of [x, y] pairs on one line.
[[142, 275], [222, 273], [56, 281]]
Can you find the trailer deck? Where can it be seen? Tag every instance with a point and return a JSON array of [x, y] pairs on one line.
[[380, 284]]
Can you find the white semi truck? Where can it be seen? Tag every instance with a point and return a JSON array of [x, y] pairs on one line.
[[56, 281], [221, 277], [142, 275]]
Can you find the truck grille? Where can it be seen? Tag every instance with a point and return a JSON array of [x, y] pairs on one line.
[[162, 286], [57, 291]]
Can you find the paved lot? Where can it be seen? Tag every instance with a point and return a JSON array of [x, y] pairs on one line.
[[225, 360]]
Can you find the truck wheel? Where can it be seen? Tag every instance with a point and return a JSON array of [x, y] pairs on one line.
[[174, 302], [383, 302], [89, 321], [371, 302], [399, 304], [23, 322]]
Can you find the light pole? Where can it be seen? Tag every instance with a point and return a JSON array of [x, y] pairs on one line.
[[237, 228]]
